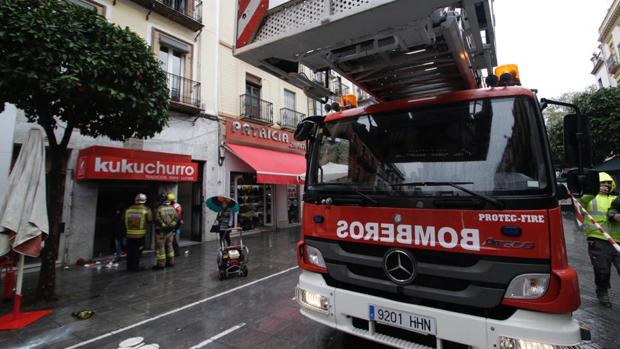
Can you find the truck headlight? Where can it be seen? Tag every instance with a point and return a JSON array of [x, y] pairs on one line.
[[528, 286], [314, 256], [312, 300], [513, 343]]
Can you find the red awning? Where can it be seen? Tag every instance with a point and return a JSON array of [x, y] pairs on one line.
[[272, 167]]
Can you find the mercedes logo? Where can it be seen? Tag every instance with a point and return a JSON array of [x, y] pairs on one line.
[[399, 266]]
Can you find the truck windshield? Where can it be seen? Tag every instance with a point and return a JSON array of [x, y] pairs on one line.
[[489, 146]]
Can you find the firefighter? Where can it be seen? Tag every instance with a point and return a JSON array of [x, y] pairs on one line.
[[177, 231], [136, 218], [165, 225], [602, 253]]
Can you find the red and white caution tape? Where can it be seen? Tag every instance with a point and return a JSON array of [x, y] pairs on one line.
[[579, 209]]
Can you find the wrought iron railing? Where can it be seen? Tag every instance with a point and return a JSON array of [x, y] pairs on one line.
[[289, 118], [183, 90], [256, 109], [183, 7], [317, 77]]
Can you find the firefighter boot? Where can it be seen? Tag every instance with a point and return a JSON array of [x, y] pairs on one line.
[[603, 297]]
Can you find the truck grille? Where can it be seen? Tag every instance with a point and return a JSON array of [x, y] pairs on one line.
[[467, 283]]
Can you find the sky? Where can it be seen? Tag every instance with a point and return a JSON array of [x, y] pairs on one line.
[[550, 40]]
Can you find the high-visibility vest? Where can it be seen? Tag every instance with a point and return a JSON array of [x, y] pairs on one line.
[[598, 207], [135, 221]]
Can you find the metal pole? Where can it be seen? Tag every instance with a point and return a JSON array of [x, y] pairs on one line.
[[18, 288]]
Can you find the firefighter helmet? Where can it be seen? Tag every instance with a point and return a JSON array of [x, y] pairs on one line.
[[140, 199], [172, 197]]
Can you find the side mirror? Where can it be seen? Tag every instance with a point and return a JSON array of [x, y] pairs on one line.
[[577, 141], [583, 184], [562, 192], [307, 127]]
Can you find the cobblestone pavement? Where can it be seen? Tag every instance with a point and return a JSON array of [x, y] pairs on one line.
[[188, 307]]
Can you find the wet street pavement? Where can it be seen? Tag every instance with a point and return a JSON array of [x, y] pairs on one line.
[[187, 307]]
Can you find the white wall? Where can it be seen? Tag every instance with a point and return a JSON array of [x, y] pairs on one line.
[[7, 126], [606, 79]]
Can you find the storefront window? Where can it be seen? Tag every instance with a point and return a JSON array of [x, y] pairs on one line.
[[255, 201]]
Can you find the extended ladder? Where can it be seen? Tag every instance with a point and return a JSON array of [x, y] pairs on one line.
[[390, 48]]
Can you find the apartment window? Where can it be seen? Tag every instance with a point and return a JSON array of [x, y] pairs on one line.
[[174, 58], [252, 90], [315, 107], [289, 100]]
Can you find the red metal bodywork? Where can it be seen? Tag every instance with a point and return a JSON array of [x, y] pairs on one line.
[[543, 235], [421, 102]]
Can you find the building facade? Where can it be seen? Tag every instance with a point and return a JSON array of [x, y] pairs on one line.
[[606, 59], [600, 71], [105, 175], [229, 133]]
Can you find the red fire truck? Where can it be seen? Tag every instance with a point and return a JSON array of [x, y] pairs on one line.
[[431, 218]]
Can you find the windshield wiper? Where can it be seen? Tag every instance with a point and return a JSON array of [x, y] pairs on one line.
[[349, 186], [365, 196], [456, 185]]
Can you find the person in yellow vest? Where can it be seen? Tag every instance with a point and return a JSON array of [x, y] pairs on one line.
[[165, 224], [602, 253], [136, 217]]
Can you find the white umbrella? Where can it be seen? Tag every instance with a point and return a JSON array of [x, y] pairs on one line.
[[23, 219]]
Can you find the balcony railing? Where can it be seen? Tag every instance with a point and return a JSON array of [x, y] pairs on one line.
[[290, 118], [183, 90], [186, 12], [256, 109], [612, 64]]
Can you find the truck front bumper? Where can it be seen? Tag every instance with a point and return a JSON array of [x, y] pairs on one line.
[[339, 308]]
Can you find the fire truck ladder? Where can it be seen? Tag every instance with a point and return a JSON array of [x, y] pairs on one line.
[[390, 48]]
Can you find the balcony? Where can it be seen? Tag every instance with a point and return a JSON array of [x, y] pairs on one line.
[[612, 64], [289, 118], [184, 93], [256, 109], [185, 12]]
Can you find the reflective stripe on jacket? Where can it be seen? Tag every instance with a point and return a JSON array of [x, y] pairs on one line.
[[598, 207], [166, 218], [136, 217]]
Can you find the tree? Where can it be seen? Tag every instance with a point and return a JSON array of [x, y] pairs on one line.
[[603, 110], [554, 117], [602, 107], [68, 68]]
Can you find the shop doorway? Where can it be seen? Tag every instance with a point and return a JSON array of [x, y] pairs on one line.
[[190, 198], [113, 196]]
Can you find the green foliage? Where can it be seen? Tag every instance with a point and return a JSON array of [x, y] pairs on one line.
[[63, 62], [602, 107], [603, 110]]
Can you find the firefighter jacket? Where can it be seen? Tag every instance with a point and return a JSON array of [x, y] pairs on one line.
[[136, 218], [598, 206], [166, 218]]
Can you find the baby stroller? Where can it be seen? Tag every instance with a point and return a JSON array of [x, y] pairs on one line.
[[232, 259]]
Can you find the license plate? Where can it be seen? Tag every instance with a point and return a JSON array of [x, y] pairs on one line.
[[402, 319]]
